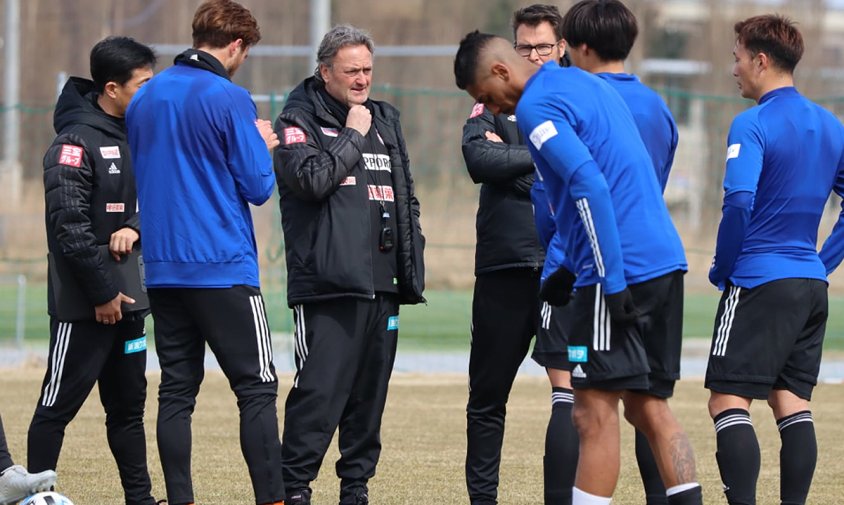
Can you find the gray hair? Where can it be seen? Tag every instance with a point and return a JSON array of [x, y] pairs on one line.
[[337, 38]]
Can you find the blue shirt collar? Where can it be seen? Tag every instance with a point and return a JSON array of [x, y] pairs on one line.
[[785, 91]]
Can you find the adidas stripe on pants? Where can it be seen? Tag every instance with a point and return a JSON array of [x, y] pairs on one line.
[[233, 322]]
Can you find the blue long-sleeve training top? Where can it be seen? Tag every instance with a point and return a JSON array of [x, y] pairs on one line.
[[199, 162], [586, 146], [784, 157]]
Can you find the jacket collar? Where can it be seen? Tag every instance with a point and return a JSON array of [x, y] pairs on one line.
[[200, 59]]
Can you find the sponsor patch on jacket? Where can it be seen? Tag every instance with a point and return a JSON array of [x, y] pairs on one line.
[[542, 134], [112, 169], [377, 162], [381, 193], [349, 181], [733, 151], [511, 118], [392, 323], [110, 152], [115, 207], [578, 354], [477, 110], [137, 345], [71, 155], [330, 132], [294, 135]]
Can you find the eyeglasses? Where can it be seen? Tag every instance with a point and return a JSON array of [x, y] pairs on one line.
[[524, 50]]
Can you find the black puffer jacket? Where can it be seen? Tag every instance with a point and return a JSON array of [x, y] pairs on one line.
[[89, 191], [506, 233], [324, 202]]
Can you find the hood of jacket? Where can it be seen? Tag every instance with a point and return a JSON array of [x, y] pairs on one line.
[[306, 98], [77, 105]]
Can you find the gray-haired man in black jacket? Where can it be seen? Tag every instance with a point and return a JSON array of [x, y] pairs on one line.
[[354, 254]]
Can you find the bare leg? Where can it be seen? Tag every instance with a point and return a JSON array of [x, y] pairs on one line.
[[669, 443], [596, 418]]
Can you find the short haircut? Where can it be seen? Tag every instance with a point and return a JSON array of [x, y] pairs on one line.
[[218, 23], [606, 26], [337, 38], [534, 15], [468, 57], [114, 59], [774, 35]]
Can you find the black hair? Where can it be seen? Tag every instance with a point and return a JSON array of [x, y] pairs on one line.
[[114, 59], [468, 55], [606, 26]]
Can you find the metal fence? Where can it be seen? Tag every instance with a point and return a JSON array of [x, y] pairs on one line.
[[432, 122]]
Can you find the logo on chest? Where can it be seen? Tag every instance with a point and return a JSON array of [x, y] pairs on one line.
[[377, 162], [115, 207], [112, 169], [381, 193], [110, 152]]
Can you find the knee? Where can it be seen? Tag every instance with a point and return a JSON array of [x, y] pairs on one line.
[[720, 402], [487, 400], [256, 394], [649, 416], [592, 423], [180, 387]]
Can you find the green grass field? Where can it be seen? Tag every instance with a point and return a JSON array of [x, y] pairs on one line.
[[441, 324], [423, 439]]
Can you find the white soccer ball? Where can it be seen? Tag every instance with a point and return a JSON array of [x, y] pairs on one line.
[[48, 498]]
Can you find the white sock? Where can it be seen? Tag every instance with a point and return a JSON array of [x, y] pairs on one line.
[[680, 488], [579, 497]]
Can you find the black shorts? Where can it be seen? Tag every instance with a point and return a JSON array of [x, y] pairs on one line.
[[551, 347], [644, 356], [768, 337]]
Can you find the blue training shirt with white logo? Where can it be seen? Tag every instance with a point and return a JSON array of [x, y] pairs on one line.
[[599, 179], [784, 157]]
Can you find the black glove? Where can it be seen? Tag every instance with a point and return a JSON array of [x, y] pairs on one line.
[[556, 290], [621, 307]]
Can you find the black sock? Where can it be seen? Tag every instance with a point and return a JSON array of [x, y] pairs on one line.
[[561, 449], [738, 456], [798, 456], [654, 487], [691, 496]]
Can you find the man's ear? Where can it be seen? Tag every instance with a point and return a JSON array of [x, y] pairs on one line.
[[323, 71], [234, 46], [500, 70], [761, 61], [110, 89]]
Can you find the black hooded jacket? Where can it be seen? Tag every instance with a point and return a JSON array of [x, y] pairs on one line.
[[506, 232], [324, 201], [89, 191]]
